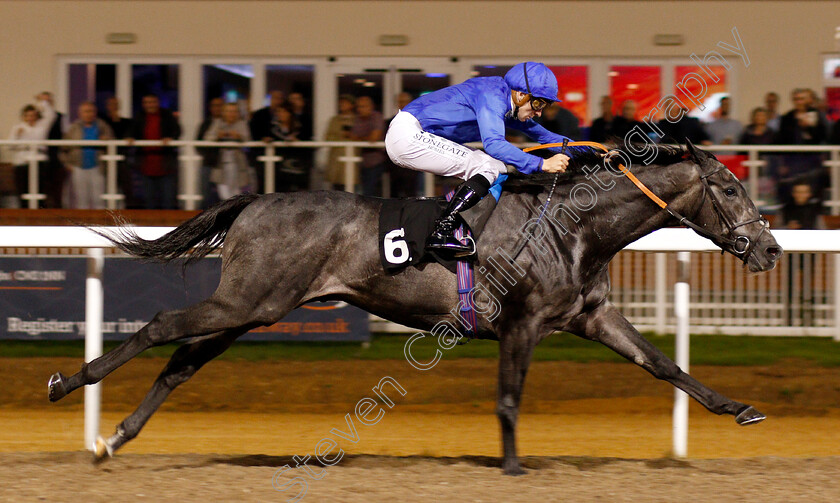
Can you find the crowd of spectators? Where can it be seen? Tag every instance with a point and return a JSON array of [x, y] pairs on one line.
[[148, 178], [806, 123]]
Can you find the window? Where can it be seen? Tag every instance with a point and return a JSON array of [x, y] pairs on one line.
[[574, 90], [160, 80], [690, 89], [232, 83], [419, 83], [90, 82], [363, 84], [638, 83]]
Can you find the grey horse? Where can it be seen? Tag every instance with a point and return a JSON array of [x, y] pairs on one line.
[[285, 250]]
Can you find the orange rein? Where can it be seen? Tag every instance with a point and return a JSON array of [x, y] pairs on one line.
[[653, 197]]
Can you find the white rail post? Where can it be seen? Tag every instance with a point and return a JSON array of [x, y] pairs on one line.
[[32, 197], [270, 158], [94, 308], [192, 173], [350, 167], [112, 196], [754, 176], [661, 292], [681, 309]]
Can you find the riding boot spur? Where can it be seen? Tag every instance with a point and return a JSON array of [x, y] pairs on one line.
[[443, 239]]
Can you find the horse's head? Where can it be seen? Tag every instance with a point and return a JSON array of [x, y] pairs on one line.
[[729, 217]]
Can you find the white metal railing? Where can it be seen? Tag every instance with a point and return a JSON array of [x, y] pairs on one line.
[[795, 299], [800, 297], [190, 164]]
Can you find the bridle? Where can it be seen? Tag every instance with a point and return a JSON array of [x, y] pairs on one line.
[[740, 246]]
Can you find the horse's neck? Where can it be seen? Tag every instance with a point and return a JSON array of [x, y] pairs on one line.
[[628, 213]]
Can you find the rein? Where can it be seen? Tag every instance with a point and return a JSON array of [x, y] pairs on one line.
[[741, 245]]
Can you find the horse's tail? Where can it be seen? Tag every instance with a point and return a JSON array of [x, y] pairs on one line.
[[194, 238]]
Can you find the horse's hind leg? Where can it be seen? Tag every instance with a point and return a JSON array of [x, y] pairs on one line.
[[185, 362], [607, 326], [206, 317]]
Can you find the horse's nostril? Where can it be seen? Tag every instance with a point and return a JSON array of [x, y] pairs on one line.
[[773, 251]]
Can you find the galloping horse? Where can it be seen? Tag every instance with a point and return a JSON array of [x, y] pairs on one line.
[[284, 250]]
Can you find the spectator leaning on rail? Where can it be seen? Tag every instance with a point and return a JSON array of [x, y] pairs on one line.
[[232, 174], [87, 173], [35, 125], [158, 165], [209, 155], [427, 136]]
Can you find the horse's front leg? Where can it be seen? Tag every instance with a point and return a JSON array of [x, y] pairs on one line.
[[608, 326], [515, 352]]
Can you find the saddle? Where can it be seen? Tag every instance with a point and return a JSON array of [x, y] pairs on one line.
[[404, 225]]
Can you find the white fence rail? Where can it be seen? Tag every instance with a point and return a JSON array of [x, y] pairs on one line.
[[191, 163]]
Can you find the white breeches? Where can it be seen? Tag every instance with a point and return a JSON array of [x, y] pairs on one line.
[[410, 147]]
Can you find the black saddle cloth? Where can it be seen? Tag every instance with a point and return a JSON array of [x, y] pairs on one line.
[[404, 225]]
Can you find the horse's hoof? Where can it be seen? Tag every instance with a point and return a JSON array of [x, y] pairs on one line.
[[57, 387], [101, 450], [749, 416]]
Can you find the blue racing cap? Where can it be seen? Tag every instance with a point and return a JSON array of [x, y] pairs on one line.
[[533, 78]]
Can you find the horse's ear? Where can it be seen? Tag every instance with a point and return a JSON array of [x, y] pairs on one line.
[[692, 152]]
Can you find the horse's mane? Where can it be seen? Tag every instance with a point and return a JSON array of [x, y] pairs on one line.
[[665, 156]]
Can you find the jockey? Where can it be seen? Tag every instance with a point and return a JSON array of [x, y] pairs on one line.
[[427, 135]]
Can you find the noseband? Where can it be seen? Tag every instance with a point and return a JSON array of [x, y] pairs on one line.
[[740, 246]]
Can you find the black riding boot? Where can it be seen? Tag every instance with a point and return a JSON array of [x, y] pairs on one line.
[[468, 194]]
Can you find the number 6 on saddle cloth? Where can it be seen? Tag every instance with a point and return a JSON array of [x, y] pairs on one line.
[[404, 225]]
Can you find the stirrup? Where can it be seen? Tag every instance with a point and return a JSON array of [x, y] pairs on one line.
[[454, 246]]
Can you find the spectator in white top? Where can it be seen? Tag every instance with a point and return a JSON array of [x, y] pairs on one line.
[[35, 125], [232, 173]]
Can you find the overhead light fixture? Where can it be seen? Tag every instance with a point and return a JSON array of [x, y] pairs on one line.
[[121, 38], [393, 40], [668, 39]]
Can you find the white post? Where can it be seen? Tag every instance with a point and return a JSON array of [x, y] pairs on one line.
[[94, 307], [111, 196], [661, 292], [33, 196], [350, 167], [191, 169], [270, 158], [681, 310]]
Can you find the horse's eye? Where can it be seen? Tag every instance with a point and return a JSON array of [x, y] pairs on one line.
[[730, 191]]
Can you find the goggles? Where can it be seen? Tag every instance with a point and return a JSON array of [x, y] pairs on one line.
[[537, 104]]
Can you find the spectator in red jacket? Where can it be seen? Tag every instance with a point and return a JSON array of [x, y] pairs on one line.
[[158, 166]]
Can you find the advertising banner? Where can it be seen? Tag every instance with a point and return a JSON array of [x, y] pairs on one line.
[[44, 298]]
